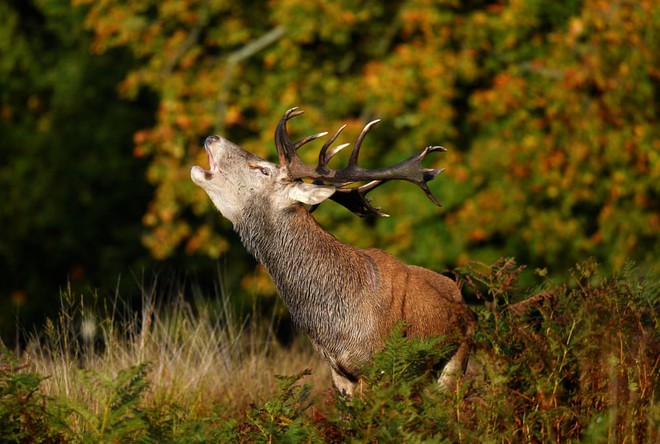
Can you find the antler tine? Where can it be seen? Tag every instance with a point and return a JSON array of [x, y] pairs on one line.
[[308, 139], [334, 151], [427, 174], [323, 158], [285, 150], [355, 199], [427, 190], [352, 162]]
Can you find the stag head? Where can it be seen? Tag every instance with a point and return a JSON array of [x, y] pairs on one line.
[[237, 179]]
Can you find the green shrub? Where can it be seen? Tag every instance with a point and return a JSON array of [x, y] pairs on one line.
[[282, 418], [117, 415], [580, 361], [400, 400], [24, 410]]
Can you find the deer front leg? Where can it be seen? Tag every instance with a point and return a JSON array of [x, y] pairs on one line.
[[455, 368], [343, 384]]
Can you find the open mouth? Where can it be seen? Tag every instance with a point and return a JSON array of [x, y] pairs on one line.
[[213, 166]]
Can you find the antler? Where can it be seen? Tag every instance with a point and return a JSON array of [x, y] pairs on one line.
[[352, 197]]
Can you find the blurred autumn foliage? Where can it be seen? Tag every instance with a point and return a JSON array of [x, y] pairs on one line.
[[549, 110]]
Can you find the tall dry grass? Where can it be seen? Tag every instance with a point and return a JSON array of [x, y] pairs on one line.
[[200, 352]]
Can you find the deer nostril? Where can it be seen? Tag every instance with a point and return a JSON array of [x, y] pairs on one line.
[[211, 139]]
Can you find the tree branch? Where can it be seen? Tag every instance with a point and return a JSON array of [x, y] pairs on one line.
[[247, 51]]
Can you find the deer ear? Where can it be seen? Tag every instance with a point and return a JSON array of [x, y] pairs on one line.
[[310, 194]]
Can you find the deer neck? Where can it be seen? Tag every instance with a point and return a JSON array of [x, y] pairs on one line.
[[313, 271]]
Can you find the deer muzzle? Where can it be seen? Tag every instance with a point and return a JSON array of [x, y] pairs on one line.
[[199, 174]]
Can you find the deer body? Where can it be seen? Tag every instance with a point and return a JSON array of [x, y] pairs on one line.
[[346, 299]]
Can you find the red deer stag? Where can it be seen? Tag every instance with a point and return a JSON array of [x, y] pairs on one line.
[[345, 298]]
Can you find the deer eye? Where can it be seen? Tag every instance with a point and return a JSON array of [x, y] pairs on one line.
[[263, 170]]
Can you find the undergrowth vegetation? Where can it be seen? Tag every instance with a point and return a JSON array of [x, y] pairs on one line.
[[576, 361]]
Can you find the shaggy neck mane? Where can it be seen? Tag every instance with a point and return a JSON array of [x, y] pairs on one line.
[[310, 267]]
